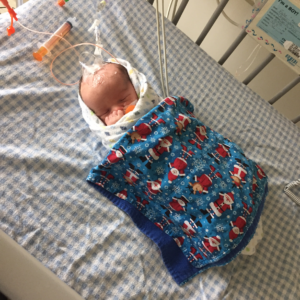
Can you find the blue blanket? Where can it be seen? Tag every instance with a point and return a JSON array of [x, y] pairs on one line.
[[188, 188]]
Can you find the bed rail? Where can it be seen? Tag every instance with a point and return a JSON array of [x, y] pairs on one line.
[[211, 21], [180, 11], [232, 47]]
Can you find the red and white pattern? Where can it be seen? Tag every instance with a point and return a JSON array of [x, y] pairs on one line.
[[183, 101], [141, 131], [239, 223], [200, 136], [238, 175], [179, 241], [210, 245], [223, 203], [182, 121], [122, 194], [188, 229], [131, 176], [104, 178], [176, 201], [247, 210], [164, 222], [170, 101], [163, 146], [260, 173], [140, 204], [221, 151], [238, 226], [178, 204], [205, 180], [153, 188], [193, 255], [179, 164], [254, 184], [115, 156]]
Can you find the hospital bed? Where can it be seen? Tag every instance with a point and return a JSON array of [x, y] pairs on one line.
[[54, 224]]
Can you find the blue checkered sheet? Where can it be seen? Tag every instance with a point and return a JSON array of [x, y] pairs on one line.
[[47, 151]]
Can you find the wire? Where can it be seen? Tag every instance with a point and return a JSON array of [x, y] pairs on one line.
[[243, 67], [169, 8], [290, 194], [164, 48], [11, 21], [159, 50], [226, 16], [42, 32], [74, 46], [71, 47], [174, 9]]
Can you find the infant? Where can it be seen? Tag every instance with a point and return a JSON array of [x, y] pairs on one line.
[[110, 95], [105, 96]]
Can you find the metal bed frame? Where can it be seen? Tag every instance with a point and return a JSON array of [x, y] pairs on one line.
[[177, 13]]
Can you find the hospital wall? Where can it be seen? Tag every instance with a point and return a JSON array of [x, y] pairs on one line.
[[269, 81]]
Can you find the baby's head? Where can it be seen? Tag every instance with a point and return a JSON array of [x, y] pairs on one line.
[[108, 92]]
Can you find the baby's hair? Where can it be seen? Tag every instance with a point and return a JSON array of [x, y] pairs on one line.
[[121, 68]]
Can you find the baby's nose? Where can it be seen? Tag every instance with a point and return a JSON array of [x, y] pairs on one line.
[[117, 107]]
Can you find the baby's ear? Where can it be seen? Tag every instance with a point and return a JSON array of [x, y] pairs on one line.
[[79, 86]]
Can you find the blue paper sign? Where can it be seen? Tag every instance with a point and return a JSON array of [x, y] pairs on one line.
[[282, 23]]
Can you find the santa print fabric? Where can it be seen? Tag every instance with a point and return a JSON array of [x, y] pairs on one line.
[[187, 187]]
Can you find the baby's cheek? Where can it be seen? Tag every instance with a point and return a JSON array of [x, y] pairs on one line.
[[121, 113], [114, 117]]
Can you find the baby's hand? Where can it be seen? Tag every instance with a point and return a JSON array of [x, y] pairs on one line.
[[114, 117]]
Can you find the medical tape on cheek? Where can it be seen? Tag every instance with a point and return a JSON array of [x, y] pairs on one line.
[[130, 107]]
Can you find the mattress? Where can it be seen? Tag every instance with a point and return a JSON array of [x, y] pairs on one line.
[[47, 151]]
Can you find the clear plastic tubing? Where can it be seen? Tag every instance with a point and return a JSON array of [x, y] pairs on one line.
[[52, 41]]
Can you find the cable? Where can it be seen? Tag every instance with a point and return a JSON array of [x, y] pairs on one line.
[[290, 194], [159, 50], [169, 8], [228, 19], [74, 46], [42, 32], [164, 48], [71, 47], [239, 71], [174, 9]]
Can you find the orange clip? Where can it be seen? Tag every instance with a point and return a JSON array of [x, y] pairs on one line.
[[129, 109], [13, 15], [61, 2]]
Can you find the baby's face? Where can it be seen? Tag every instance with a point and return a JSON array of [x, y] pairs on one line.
[[107, 93]]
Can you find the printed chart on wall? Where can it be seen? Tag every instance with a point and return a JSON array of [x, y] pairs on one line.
[[277, 28]]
